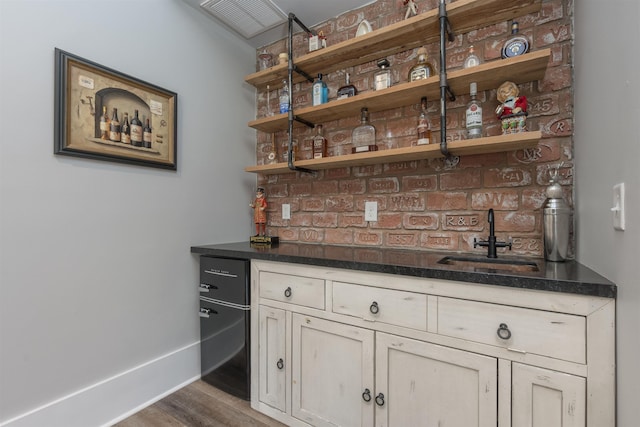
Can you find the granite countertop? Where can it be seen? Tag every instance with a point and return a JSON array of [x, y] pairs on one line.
[[568, 277]]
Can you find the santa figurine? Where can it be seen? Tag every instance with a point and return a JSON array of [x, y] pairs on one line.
[[511, 103]]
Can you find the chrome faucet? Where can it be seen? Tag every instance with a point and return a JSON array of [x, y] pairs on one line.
[[491, 244]]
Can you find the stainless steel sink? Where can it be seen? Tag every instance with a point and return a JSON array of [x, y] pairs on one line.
[[483, 263]]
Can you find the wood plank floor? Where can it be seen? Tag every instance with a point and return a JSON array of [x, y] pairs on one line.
[[199, 404]]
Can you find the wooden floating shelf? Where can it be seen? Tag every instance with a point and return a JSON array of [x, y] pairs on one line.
[[491, 144], [490, 75], [419, 30]]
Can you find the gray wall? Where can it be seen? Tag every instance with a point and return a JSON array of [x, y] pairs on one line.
[[96, 277], [607, 151]]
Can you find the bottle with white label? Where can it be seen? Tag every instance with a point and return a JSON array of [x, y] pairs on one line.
[[382, 78], [474, 114], [284, 98]]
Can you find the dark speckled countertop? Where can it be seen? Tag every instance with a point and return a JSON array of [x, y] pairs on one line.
[[568, 277]]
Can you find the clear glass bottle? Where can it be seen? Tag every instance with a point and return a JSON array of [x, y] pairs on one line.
[[319, 144], [284, 98], [474, 114], [516, 45], [472, 59], [423, 69], [424, 127], [348, 90], [104, 124], [319, 92], [363, 137], [382, 78]]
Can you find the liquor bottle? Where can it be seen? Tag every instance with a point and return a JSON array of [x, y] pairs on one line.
[[319, 144], [424, 127], [285, 150], [422, 69], [363, 137], [319, 91], [136, 130], [284, 98], [147, 135], [472, 59], [382, 78], [348, 90], [104, 123], [474, 114], [114, 127], [125, 130], [516, 45]]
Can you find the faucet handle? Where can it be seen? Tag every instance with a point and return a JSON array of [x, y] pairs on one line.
[[510, 242]]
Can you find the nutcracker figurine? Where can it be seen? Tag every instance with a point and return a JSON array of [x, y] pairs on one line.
[[259, 206]]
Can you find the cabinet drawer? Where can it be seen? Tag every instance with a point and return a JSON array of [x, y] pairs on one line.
[[299, 290], [400, 308], [557, 335]]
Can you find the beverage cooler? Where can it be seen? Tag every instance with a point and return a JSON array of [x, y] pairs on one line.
[[224, 324]]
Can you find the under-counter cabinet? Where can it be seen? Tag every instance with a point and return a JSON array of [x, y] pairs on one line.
[[350, 348]]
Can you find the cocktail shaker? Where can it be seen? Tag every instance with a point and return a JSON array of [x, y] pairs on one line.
[[556, 214]]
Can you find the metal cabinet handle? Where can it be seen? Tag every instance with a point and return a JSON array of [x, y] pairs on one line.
[[280, 363], [205, 312], [287, 292], [504, 332], [380, 399], [366, 395], [204, 287], [374, 308]]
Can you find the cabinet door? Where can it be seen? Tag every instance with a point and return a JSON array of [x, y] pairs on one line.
[[273, 360], [429, 385], [332, 367], [544, 398]]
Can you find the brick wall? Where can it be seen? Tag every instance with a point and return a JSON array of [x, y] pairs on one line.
[[429, 204]]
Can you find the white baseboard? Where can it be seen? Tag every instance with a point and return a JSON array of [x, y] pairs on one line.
[[114, 399]]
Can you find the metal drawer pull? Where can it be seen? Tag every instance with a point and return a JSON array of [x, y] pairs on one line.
[[504, 332], [366, 396], [287, 292], [205, 312], [280, 363], [374, 308], [380, 399], [205, 287]]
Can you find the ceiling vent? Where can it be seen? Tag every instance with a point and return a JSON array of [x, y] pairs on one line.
[[247, 17]]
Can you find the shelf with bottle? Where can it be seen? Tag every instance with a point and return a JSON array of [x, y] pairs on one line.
[[489, 75], [491, 144], [419, 30]]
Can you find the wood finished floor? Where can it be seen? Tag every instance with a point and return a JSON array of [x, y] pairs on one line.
[[199, 404]]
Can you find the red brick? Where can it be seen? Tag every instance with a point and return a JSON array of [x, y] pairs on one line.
[[507, 177], [338, 173], [289, 234], [338, 236], [533, 199], [557, 127], [325, 219], [383, 185], [419, 221], [439, 241], [352, 186], [322, 188], [520, 221], [462, 222], [339, 203], [406, 202], [367, 238], [420, 183], [311, 235], [527, 245], [301, 219], [552, 34], [557, 78], [502, 200], [351, 219], [400, 167], [406, 239], [482, 160], [313, 204], [301, 189], [446, 201], [364, 171], [388, 220], [460, 180]]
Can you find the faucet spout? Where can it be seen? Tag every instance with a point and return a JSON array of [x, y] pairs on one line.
[[491, 243]]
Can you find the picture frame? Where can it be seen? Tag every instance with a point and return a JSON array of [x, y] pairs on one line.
[[84, 90]]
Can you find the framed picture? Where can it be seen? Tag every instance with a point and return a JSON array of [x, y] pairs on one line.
[[103, 114]]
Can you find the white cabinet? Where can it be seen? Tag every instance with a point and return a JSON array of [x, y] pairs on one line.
[[369, 349], [544, 398], [425, 384]]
